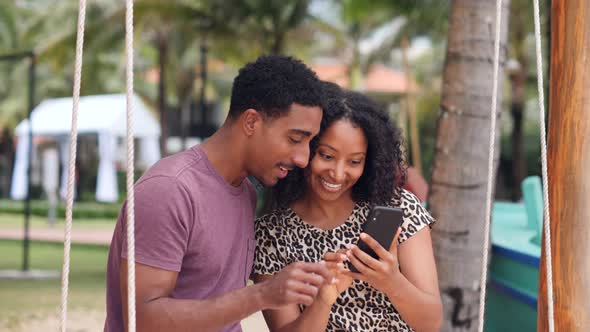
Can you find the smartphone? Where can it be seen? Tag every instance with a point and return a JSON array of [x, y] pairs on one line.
[[382, 224]]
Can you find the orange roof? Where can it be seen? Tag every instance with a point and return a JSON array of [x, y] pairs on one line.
[[379, 79]]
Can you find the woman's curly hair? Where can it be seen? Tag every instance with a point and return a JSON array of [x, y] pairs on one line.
[[384, 172]]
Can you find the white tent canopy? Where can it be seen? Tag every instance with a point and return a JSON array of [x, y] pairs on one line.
[[96, 114], [104, 115]]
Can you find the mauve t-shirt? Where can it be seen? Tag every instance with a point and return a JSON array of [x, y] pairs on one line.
[[188, 219]]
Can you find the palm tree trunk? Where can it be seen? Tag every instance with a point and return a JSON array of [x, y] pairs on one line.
[[458, 189], [518, 84], [162, 46], [354, 70], [411, 109], [278, 43]]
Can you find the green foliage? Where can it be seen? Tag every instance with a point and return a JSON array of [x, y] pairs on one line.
[[427, 115], [82, 210]]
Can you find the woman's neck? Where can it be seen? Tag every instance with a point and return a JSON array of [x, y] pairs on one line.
[[324, 214]]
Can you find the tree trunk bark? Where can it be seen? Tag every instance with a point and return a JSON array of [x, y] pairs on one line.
[[411, 109], [568, 165], [202, 98], [354, 70], [186, 98], [278, 43], [458, 188], [162, 45], [518, 82]]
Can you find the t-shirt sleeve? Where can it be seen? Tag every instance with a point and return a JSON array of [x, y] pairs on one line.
[[163, 223], [416, 216], [268, 258]]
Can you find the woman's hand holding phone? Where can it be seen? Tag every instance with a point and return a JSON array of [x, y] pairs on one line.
[[379, 273]]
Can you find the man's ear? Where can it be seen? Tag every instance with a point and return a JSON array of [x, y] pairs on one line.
[[250, 121]]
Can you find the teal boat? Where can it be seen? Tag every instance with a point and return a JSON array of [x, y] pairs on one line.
[[513, 282]]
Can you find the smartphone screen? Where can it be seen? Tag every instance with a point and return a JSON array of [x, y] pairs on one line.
[[382, 224]]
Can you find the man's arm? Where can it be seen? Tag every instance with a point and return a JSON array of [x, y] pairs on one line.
[[298, 283], [289, 318]]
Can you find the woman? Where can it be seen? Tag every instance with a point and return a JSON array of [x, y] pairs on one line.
[[318, 213]]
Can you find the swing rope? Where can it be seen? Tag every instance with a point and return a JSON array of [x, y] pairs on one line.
[[493, 116], [130, 168], [546, 223], [130, 164], [547, 218], [72, 165]]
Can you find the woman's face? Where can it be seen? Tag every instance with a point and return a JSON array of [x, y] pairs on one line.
[[338, 162]]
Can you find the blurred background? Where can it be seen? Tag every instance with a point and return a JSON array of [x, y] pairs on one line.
[[187, 53]]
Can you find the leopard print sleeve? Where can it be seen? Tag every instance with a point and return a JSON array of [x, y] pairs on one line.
[[267, 258], [416, 216]]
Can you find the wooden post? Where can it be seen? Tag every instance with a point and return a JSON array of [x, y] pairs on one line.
[[569, 167]]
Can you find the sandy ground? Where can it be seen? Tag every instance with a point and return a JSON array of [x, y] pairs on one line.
[[88, 321]]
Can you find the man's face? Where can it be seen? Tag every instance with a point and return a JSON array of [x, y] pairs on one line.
[[282, 143]]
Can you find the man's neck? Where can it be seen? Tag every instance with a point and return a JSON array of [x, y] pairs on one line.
[[226, 155]]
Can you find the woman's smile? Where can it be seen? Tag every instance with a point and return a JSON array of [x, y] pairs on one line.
[[329, 186]]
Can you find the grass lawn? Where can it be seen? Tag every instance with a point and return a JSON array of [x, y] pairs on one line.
[[32, 305], [22, 300]]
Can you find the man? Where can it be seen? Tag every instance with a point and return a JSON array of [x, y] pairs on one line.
[[194, 212]]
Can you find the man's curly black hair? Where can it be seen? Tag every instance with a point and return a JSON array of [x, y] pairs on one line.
[[271, 84], [385, 170]]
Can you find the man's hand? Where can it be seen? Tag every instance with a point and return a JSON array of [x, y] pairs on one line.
[[330, 292], [297, 283]]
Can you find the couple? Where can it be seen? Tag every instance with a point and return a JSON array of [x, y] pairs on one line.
[[333, 154]]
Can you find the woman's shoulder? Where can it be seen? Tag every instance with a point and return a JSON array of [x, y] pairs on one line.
[[277, 217], [415, 217], [405, 199]]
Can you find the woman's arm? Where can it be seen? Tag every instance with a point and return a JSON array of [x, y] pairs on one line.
[[414, 293]]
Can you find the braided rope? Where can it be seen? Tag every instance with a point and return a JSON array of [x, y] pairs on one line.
[[130, 168], [72, 165], [547, 219], [487, 220]]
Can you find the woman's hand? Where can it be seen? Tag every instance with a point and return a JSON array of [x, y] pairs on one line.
[[335, 262], [381, 273]]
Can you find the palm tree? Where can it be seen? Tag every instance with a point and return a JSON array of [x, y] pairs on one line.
[[394, 20], [384, 25], [48, 29], [158, 24], [12, 89], [271, 21], [458, 187], [234, 31]]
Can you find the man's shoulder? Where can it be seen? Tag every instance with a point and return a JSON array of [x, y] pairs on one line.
[[175, 165]]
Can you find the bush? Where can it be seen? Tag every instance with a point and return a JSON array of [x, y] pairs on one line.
[[82, 210]]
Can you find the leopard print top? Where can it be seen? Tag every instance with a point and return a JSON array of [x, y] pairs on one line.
[[284, 238]]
